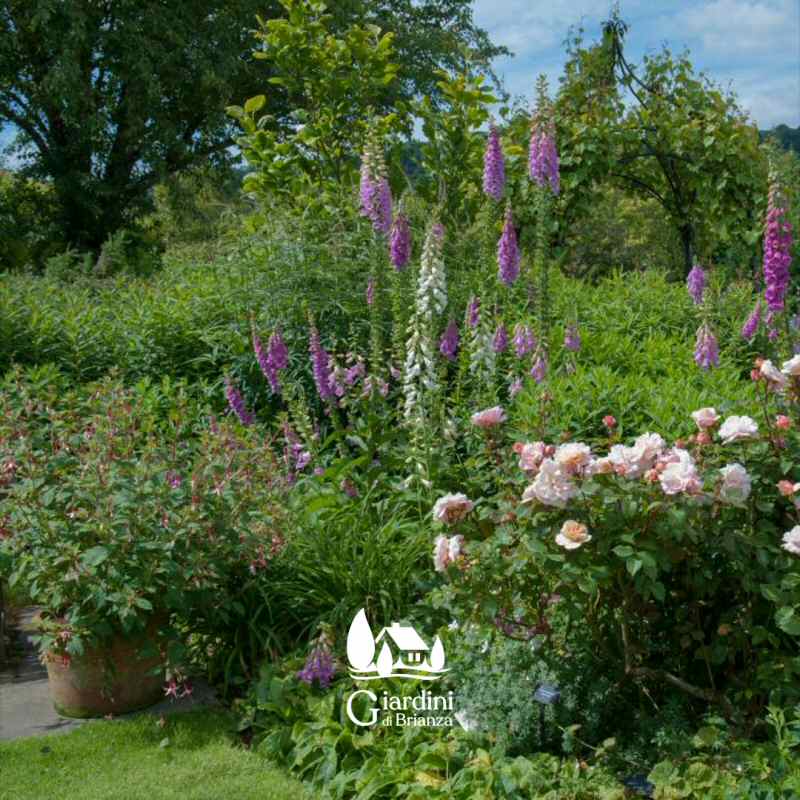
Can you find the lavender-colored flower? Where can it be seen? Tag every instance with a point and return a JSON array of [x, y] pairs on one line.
[[321, 366], [696, 284], [524, 340], [236, 403], [370, 291], [539, 368], [515, 388], [273, 359], [543, 166], [706, 351], [277, 351], [752, 322], [352, 374], [400, 242], [474, 312], [261, 356], [572, 338], [494, 171], [777, 252], [448, 346], [508, 252], [174, 479], [500, 340], [319, 667], [374, 191]]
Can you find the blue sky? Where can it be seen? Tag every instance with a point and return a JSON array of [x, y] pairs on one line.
[[753, 46]]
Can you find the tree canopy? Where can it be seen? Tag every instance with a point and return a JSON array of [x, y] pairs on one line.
[[114, 95]]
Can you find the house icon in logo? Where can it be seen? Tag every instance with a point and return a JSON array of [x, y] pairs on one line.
[[403, 653]]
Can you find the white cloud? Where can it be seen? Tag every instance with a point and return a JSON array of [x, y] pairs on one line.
[[736, 27]]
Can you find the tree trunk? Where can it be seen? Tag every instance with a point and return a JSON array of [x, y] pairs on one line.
[[687, 241]]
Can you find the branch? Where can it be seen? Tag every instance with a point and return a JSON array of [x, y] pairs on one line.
[[642, 185], [25, 125]]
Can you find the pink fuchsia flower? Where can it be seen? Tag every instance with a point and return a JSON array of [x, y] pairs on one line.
[[448, 346], [706, 351], [552, 486], [609, 421], [680, 476], [400, 242], [751, 324], [508, 255], [573, 457], [776, 380], [494, 171], [791, 541], [738, 428], [736, 484], [706, 418], [696, 284], [452, 508], [777, 252], [531, 455], [447, 551], [489, 418], [782, 422], [573, 535]]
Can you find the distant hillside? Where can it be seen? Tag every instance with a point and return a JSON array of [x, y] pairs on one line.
[[789, 138]]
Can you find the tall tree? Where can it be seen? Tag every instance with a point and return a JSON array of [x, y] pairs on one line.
[[665, 132], [114, 95]]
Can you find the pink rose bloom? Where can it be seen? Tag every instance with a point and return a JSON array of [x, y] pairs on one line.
[[791, 368], [441, 553], [776, 379], [489, 418], [452, 508], [791, 541], [572, 535], [552, 486], [573, 457], [735, 487], [609, 421], [735, 428], [600, 466], [446, 551], [705, 418], [787, 488], [531, 455], [680, 476], [783, 422]]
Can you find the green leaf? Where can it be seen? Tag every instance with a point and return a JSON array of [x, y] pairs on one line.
[[788, 621], [95, 556]]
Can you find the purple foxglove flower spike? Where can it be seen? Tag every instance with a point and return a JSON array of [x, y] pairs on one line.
[[236, 403], [539, 368], [696, 284], [508, 252], [706, 351], [321, 366], [494, 171], [777, 252], [400, 243], [374, 192], [572, 338], [500, 340], [448, 346], [319, 667], [474, 312], [524, 340], [543, 166], [752, 323]]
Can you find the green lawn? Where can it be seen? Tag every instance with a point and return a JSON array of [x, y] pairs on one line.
[[193, 757]]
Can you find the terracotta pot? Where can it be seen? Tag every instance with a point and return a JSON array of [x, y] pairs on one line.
[[112, 679]]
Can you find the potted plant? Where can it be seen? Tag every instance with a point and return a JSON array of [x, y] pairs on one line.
[[119, 523]]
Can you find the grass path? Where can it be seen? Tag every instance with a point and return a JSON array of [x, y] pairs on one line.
[[193, 757]]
